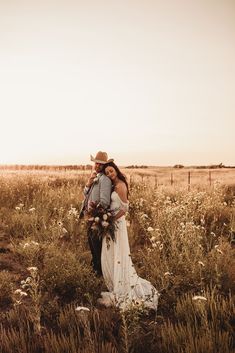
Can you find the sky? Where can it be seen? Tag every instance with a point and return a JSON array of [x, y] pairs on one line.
[[149, 82]]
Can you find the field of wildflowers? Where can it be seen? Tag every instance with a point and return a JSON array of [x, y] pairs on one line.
[[182, 241]]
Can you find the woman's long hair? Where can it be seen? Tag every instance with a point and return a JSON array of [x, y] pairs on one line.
[[120, 175]]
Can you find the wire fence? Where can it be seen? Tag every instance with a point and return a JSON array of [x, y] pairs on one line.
[[187, 179]]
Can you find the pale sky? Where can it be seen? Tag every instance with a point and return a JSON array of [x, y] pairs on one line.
[[149, 82]]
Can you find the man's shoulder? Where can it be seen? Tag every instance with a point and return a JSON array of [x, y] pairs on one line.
[[104, 178]]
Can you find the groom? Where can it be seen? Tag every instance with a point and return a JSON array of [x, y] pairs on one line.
[[97, 191]]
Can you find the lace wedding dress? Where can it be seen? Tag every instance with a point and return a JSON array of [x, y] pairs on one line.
[[125, 287]]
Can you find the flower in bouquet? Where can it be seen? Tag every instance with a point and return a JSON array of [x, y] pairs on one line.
[[101, 221]]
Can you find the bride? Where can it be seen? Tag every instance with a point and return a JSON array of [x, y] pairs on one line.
[[125, 287]]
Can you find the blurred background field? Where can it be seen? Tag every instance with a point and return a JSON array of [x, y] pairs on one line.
[[182, 240], [157, 176], [179, 177]]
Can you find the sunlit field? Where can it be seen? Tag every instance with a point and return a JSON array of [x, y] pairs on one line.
[[182, 239]]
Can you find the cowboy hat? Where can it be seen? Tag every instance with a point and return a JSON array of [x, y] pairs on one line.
[[101, 157]]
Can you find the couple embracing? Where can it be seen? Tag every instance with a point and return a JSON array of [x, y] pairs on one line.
[[108, 187]]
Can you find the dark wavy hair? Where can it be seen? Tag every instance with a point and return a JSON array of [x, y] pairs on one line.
[[120, 175]]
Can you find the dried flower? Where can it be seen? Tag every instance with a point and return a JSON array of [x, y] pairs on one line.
[[101, 222], [105, 224]]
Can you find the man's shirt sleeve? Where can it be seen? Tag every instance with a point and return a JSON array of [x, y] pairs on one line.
[[105, 191]]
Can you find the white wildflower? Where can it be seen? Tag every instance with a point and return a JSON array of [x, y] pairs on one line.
[[64, 230], [150, 229], [73, 212], [26, 245], [137, 302], [23, 294], [32, 209], [201, 263], [167, 273], [82, 308], [17, 291], [17, 208], [199, 297], [97, 219], [35, 243], [32, 269], [202, 221], [144, 215]]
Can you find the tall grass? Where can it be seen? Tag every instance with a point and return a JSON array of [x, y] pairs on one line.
[[182, 241]]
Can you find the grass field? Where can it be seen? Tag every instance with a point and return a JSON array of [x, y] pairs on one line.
[[181, 240], [179, 177]]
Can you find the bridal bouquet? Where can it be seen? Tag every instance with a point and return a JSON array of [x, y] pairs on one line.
[[101, 221]]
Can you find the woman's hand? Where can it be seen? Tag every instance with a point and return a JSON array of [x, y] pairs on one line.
[[119, 215]]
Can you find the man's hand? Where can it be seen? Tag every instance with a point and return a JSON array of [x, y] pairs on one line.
[[91, 179], [91, 206]]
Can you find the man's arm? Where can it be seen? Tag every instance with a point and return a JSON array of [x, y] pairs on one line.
[[89, 183], [105, 191], [86, 190]]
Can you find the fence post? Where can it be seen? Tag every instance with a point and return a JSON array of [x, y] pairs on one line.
[[130, 182], [172, 181], [210, 177], [156, 182], [189, 180]]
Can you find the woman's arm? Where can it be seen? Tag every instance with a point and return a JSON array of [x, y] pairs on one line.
[[119, 214], [121, 190]]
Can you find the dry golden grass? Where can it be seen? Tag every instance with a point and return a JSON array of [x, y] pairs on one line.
[[179, 177], [182, 241]]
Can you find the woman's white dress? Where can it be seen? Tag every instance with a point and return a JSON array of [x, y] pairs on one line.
[[125, 287]]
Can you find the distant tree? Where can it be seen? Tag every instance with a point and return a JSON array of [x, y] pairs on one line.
[[178, 166]]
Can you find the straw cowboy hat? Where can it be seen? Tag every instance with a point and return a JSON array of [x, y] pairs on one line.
[[101, 157]]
